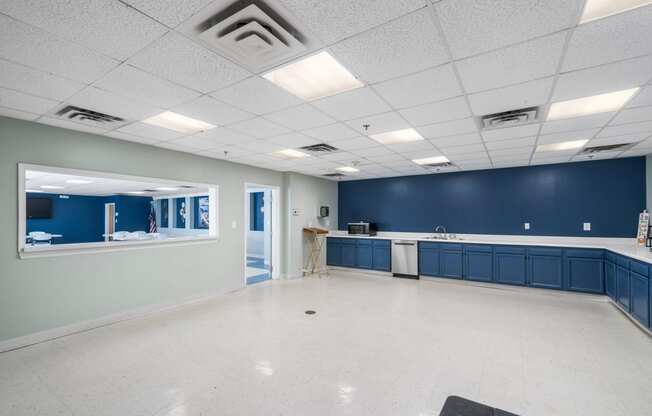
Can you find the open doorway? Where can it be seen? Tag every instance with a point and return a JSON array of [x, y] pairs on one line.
[[261, 240]]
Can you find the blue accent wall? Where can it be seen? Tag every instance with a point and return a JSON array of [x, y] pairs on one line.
[[257, 217], [133, 212], [555, 199]]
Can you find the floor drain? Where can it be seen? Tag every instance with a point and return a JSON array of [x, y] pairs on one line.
[[310, 312]]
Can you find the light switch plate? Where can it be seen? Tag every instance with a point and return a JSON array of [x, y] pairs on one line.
[[234, 224], [587, 226], [526, 225]]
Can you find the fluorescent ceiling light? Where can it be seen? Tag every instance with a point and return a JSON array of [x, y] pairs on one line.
[[594, 104], [316, 76], [347, 169], [51, 187], [597, 9], [555, 147], [290, 154], [33, 191], [431, 160], [397, 136], [136, 192], [78, 181], [177, 122], [166, 188]]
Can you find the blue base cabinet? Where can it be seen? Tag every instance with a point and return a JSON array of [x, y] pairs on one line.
[[349, 253], [584, 271], [610, 279], [622, 287], [545, 267], [364, 254], [479, 263], [382, 256], [359, 253], [510, 265], [639, 286], [451, 261], [428, 259]]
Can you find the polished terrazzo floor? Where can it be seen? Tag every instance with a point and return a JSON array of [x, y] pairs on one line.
[[377, 346]]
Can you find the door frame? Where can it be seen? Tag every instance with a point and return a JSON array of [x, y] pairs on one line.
[[107, 218], [275, 228]]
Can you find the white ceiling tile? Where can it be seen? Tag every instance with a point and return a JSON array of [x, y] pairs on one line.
[[614, 38], [300, 117], [97, 99], [25, 102], [517, 153], [567, 136], [546, 158], [453, 109], [339, 157], [261, 146], [257, 95], [31, 81], [511, 163], [293, 140], [393, 157], [180, 60], [375, 152], [21, 115], [643, 98], [332, 132], [195, 142], [474, 26], [475, 166], [623, 129], [449, 128], [352, 104], [577, 123], [431, 85], [338, 19], [129, 137], [476, 150], [471, 159], [174, 146], [632, 138], [408, 44], [129, 81], [259, 128], [169, 12], [646, 144], [603, 79], [527, 61], [511, 132], [511, 143], [38, 49], [224, 137], [598, 156], [57, 122], [633, 115], [380, 123], [355, 143], [418, 146], [524, 95], [110, 27], [635, 153], [464, 139], [149, 131], [212, 111]]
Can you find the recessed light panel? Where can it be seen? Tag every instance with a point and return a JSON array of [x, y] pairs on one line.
[[290, 154], [556, 147], [431, 160], [398, 136], [51, 187], [78, 181], [594, 104], [314, 77], [597, 9], [347, 169], [177, 122], [166, 188]]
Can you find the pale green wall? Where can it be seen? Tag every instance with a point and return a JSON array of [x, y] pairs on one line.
[[44, 293], [648, 182]]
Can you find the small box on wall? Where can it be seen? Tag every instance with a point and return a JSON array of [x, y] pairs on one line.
[[324, 212]]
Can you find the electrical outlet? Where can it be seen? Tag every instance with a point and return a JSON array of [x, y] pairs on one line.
[[587, 226], [526, 225]]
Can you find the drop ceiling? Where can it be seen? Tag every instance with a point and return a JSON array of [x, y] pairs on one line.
[[433, 66]]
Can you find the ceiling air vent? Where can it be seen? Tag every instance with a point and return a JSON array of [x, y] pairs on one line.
[[252, 36], [320, 148], [333, 175], [90, 117], [607, 148], [510, 118]]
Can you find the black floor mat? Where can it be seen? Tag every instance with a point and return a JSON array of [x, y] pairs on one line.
[[458, 406]]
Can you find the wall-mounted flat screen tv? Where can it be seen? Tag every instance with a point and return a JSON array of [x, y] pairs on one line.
[[39, 208]]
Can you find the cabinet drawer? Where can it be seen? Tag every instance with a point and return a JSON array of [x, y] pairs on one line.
[[381, 243], [451, 247], [474, 248], [509, 250], [428, 245], [639, 268], [544, 251], [363, 242], [610, 256], [585, 253]]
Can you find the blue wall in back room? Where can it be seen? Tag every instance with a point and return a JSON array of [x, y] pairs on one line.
[[555, 199]]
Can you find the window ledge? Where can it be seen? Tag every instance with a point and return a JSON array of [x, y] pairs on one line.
[[103, 247]]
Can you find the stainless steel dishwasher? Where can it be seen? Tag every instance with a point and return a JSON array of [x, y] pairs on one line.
[[405, 259]]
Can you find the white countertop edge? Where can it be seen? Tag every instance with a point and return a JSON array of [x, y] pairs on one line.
[[623, 246]]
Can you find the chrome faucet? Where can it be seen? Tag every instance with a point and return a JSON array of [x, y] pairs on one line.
[[438, 231]]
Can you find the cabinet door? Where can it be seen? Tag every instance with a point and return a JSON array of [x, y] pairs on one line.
[[451, 264], [622, 286], [333, 253], [640, 303], [510, 268], [364, 256], [429, 262], [610, 279], [545, 271], [382, 258], [479, 266], [585, 274], [348, 254]]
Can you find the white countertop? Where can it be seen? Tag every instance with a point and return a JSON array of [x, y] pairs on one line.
[[624, 246]]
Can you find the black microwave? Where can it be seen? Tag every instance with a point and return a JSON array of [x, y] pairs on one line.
[[362, 228]]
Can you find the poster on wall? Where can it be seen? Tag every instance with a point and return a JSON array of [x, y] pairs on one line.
[[643, 223], [203, 212]]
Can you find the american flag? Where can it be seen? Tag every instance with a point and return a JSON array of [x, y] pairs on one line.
[[152, 219]]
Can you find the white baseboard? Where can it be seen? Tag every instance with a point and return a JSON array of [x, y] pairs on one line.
[[137, 313]]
